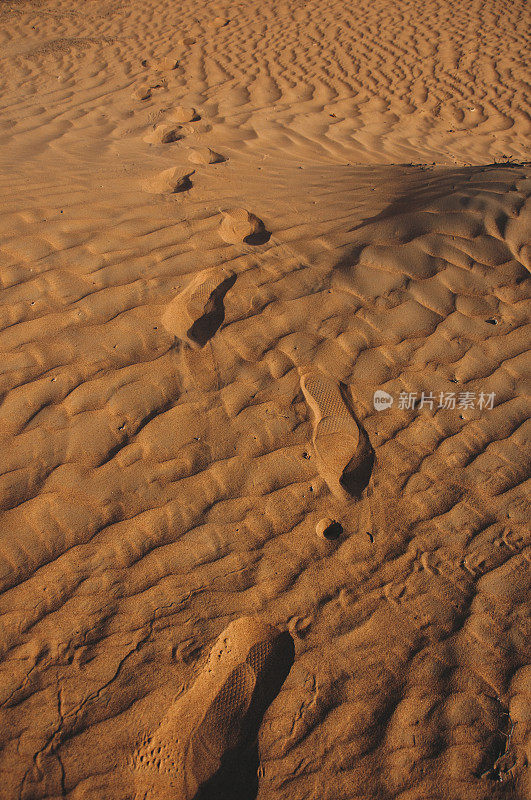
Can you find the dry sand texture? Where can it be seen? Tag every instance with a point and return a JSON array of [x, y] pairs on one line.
[[222, 229]]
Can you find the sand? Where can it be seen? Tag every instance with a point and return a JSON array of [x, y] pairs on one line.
[[227, 571]]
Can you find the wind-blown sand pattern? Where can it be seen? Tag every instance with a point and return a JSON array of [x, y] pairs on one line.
[[163, 474]]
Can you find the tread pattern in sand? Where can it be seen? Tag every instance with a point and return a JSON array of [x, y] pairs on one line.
[[212, 717], [340, 447]]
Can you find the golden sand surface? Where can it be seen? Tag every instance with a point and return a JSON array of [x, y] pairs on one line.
[[225, 573]]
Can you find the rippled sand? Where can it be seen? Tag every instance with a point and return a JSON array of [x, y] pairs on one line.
[[223, 228]]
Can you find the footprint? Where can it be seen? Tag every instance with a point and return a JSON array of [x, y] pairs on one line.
[[183, 114], [204, 155], [142, 93], [163, 134], [197, 312], [344, 454], [238, 225], [169, 180], [165, 63], [219, 714]]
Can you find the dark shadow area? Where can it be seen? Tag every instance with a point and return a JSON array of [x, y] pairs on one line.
[[357, 473], [499, 757], [237, 779], [206, 326], [261, 237], [185, 183], [333, 531], [497, 762], [416, 187], [436, 184], [355, 479]]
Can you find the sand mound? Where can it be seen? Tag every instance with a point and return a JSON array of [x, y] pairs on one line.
[[182, 114], [169, 180], [164, 133], [142, 93], [204, 155], [164, 63], [238, 225]]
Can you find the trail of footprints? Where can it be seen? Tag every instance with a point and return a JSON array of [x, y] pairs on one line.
[[236, 226], [223, 709], [187, 748], [225, 704], [380, 62]]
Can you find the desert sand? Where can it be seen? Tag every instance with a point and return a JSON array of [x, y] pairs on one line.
[[227, 571]]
